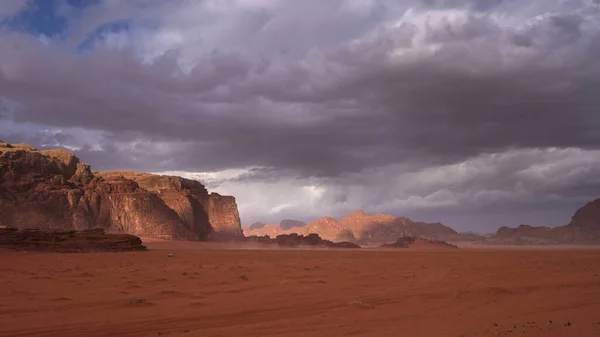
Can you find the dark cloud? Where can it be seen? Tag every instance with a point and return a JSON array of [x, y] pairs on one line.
[[362, 87]]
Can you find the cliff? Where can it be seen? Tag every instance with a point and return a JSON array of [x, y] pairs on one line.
[[52, 189], [585, 223]]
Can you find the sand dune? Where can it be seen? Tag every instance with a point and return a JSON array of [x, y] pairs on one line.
[[211, 290]]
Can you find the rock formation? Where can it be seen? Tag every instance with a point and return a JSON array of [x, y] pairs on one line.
[[584, 228], [51, 189], [366, 229], [413, 242], [528, 235], [95, 240], [360, 222], [295, 240], [327, 227], [375, 229], [405, 227], [585, 223]]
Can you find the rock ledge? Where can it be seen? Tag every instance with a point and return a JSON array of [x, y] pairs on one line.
[[94, 240]]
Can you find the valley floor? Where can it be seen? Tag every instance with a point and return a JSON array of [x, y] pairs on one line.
[[209, 290]]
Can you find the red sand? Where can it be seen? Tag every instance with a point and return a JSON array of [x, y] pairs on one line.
[[206, 290]]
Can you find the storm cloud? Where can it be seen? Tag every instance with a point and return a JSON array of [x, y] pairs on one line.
[[475, 113]]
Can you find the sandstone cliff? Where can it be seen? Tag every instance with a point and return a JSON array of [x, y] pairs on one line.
[[51, 189]]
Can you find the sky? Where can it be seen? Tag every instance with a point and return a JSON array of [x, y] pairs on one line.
[[475, 113]]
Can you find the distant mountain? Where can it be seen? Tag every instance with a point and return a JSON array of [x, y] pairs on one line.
[[405, 227], [366, 229], [376, 229], [584, 228], [257, 225], [290, 223]]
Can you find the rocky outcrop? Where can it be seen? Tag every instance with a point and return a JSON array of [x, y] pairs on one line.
[[296, 240], [68, 241], [224, 217], [360, 222], [584, 228], [585, 223], [366, 229], [525, 234], [51, 189], [326, 227], [414, 242]]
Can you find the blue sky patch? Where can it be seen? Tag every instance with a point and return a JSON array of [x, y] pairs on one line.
[[46, 17], [40, 17]]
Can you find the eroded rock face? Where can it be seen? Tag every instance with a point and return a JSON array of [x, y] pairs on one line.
[[51, 189], [359, 222], [224, 217], [585, 223]]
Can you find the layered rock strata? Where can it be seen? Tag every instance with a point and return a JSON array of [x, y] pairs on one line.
[[52, 189]]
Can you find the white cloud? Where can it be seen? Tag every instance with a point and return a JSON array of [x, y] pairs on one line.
[[526, 176]]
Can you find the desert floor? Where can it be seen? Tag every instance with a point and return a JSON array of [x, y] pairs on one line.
[[208, 290]]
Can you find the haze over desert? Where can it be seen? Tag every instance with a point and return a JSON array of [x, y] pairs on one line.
[[201, 168]]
